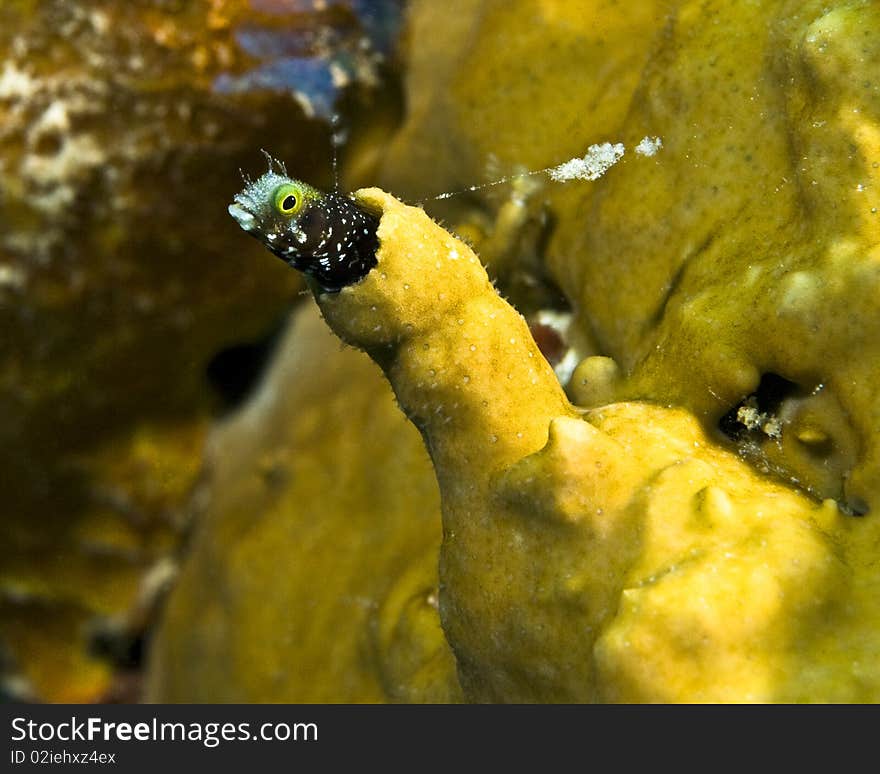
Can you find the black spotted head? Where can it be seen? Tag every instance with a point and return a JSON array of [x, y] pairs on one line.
[[326, 235]]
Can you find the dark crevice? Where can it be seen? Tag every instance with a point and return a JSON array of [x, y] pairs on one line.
[[234, 371], [673, 285], [772, 390], [855, 506], [118, 646], [677, 277], [758, 419]]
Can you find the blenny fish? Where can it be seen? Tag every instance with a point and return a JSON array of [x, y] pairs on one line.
[[330, 238], [322, 234]]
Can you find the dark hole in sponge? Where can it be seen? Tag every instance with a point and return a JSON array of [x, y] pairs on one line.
[[772, 390], [855, 506], [234, 371]]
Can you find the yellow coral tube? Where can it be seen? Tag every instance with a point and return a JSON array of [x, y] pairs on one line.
[[462, 362]]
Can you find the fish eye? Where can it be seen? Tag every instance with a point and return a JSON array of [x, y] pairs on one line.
[[288, 200]]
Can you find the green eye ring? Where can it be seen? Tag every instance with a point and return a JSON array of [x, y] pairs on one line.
[[288, 200]]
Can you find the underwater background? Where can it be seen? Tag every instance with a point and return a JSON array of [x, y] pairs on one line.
[[207, 497]]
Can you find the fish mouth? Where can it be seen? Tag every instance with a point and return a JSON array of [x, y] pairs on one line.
[[243, 216], [244, 209]]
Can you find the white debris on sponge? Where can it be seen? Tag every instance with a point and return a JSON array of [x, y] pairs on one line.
[[749, 415], [649, 146], [595, 163]]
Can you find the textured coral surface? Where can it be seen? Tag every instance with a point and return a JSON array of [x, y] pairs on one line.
[[755, 234]]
